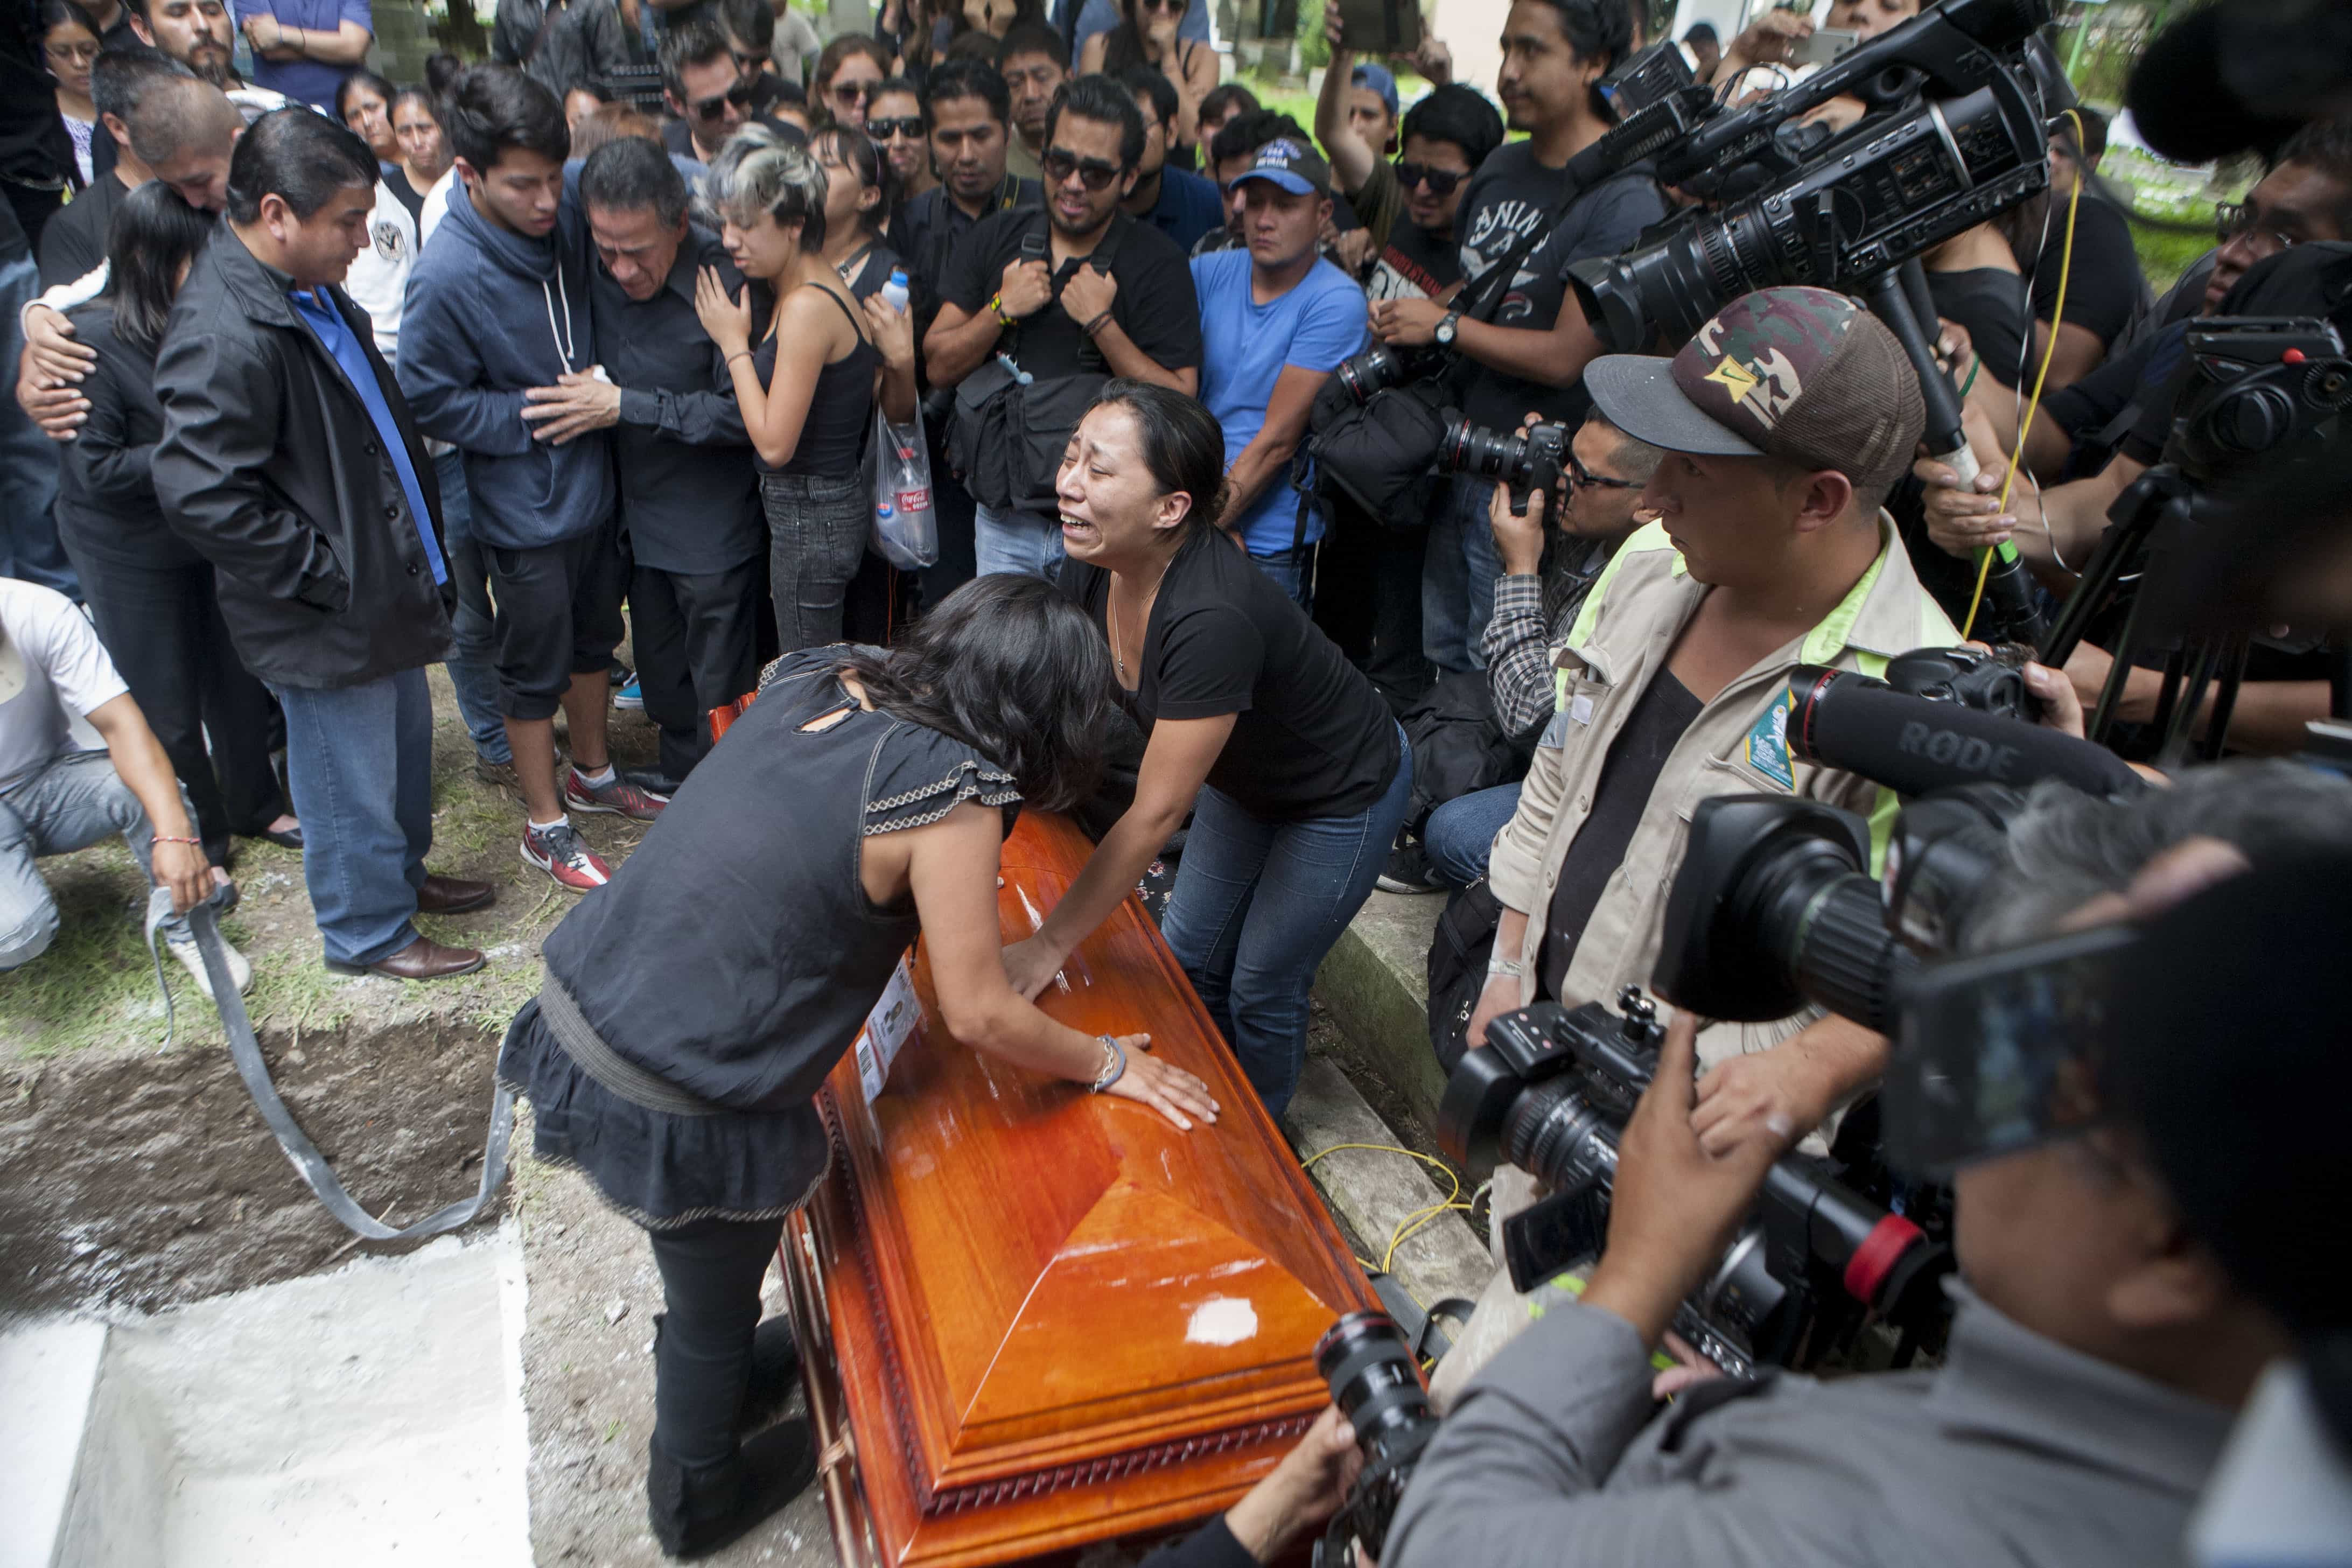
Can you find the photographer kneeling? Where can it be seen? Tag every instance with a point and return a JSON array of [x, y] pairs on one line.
[[2093, 1363]]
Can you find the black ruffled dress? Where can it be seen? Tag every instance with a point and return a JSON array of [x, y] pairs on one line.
[[733, 956]]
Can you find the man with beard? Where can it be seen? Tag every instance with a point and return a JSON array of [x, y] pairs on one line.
[[197, 33]]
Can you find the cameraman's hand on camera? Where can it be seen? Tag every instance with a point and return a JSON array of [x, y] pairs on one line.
[[1025, 288], [1776, 1097], [1675, 1204], [1518, 538], [1304, 1490], [1407, 323]]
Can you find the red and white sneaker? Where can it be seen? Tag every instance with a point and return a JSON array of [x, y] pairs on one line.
[[558, 852], [620, 796]]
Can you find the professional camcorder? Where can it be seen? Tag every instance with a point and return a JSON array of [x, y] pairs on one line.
[[1954, 133], [1549, 1093]]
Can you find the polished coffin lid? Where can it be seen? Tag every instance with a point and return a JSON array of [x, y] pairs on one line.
[[1055, 1318]]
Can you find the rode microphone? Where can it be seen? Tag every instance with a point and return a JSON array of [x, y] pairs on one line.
[[1913, 745]]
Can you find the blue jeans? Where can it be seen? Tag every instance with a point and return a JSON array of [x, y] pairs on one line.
[[1460, 835], [473, 666], [1019, 542], [71, 803], [29, 549], [1293, 571], [1257, 906], [1457, 575], [361, 761]]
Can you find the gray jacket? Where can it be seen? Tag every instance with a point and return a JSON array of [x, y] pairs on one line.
[[2017, 1451]]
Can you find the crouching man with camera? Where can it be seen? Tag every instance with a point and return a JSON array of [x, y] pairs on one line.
[[1784, 421], [2098, 1348]]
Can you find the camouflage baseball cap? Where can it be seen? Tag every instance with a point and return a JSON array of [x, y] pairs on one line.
[[1801, 374]]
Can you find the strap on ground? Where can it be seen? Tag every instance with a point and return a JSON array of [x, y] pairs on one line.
[[245, 1050]]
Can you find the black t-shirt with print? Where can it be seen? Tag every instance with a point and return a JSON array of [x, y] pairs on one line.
[[1509, 197], [1155, 305], [1312, 737]]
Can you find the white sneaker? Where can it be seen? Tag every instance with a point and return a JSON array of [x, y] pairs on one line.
[[183, 948]]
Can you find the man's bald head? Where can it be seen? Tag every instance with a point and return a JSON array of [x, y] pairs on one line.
[[185, 132]]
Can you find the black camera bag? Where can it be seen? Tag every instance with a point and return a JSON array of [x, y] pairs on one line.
[[1009, 435], [1457, 968], [1380, 456]]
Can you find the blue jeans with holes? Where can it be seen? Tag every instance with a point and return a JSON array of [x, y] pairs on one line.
[[1457, 575], [69, 803], [1257, 906], [360, 759], [1459, 836]]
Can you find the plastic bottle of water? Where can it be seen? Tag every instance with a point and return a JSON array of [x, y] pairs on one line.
[[895, 291]]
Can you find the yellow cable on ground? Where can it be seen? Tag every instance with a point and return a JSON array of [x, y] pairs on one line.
[[1406, 1228], [2033, 403]]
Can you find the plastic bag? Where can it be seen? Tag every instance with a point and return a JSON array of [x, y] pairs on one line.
[[906, 531]]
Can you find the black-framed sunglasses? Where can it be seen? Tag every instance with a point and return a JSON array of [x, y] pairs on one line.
[[1096, 172], [2236, 220], [1578, 474], [1442, 183], [851, 91], [911, 127], [711, 108]]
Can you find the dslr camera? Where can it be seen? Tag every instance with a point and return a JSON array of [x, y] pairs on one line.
[[1527, 461]]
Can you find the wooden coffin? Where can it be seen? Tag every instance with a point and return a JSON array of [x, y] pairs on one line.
[[1037, 1318]]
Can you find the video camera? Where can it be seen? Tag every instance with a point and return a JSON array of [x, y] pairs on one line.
[[1955, 133], [1550, 1092]]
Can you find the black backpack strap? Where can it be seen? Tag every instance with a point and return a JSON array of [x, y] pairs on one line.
[[1037, 245]]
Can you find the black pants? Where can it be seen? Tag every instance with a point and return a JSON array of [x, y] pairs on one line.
[[556, 612], [163, 627], [1367, 600], [693, 633], [711, 1274]]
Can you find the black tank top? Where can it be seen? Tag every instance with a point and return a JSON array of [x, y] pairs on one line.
[[833, 437]]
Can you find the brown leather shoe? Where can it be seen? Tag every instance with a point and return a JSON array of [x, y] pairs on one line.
[[423, 959], [453, 895]]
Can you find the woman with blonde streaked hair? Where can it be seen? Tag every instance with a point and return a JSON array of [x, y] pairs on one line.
[[808, 387]]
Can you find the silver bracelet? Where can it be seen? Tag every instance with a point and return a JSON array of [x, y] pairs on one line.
[[1517, 968], [1114, 1066]]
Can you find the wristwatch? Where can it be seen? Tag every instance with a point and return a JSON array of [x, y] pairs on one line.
[[1444, 333]]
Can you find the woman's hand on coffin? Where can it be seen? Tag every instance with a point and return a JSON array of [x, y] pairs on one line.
[[1170, 1090]]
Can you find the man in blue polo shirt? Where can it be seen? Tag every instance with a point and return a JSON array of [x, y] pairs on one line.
[[1275, 319]]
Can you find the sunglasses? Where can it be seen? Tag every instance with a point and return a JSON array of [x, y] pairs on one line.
[[711, 108], [1174, 6], [1580, 475], [1095, 173], [851, 91], [2232, 220], [911, 127], [1442, 183]]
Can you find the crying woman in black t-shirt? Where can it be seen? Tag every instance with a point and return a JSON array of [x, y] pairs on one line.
[[1295, 775]]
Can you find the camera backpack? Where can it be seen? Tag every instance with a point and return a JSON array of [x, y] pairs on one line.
[[1009, 429]]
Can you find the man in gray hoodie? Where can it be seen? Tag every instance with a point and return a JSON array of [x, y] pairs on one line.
[[498, 305]]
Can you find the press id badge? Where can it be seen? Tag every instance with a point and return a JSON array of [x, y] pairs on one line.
[[886, 1028]]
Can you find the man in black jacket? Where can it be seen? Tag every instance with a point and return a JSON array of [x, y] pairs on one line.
[[290, 461]]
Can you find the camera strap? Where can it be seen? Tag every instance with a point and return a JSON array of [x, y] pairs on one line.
[[1587, 172]]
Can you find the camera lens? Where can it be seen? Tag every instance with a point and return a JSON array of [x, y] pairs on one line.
[[1375, 370], [1473, 450], [1556, 1135], [1370, 1367]]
